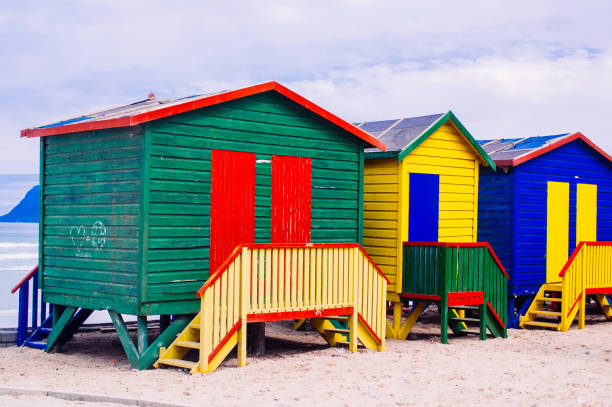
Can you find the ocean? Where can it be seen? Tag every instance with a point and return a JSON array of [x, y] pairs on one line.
[[18, 255]]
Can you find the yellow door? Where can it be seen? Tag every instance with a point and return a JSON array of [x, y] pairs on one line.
[[586, 213], [557, 230]]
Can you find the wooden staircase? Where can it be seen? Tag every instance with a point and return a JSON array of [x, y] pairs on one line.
[[336, 285], [545, 310], [588, 271]]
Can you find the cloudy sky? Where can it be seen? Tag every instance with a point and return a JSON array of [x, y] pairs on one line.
[[507, 69]]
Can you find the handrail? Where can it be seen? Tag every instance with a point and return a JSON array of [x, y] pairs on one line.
[[587, 271], [251, 246], [470, 244], [25, 279], [267, 282]]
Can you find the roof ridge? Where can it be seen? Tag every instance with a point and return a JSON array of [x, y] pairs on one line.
[[389, 128]]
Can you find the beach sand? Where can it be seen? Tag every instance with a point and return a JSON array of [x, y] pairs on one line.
[[531, 367]]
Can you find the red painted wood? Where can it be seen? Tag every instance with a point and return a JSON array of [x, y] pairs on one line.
[[363, 321], [214, 276], [421, 296], [496, 315], [200, 103], [291, 186], [224, 340], [603, 290], [315, 313], [465, 298], [25, 279], [574, 306], [471, 244], [232, 203]]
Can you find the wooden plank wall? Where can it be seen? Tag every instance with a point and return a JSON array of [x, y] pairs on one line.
[[448, 154], [266, 124], [90, 229], [574, 163], [380, 215]]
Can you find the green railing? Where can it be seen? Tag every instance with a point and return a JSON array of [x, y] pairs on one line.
[[447, 271]]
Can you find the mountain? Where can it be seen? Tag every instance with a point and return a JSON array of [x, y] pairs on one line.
[[27, 210]]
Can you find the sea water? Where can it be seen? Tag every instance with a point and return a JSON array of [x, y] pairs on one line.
[[18, 255]]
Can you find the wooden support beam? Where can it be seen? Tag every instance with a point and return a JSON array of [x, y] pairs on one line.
[[143, 333], [59, 324], [75, 323], [483, 321], [165, 338], [124, 336]]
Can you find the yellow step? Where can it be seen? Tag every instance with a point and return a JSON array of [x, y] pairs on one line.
[[554, 288], [549, 299], [542, 324], [186, 364], [338, 331], [542, 312], [337, 318], [187, 344], [194, 326]]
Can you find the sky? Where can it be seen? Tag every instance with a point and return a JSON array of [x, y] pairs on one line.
[[506, 69]]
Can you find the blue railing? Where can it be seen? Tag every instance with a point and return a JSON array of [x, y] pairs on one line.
[[37, 318]]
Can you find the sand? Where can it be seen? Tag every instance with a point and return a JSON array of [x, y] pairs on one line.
[[531, 367]]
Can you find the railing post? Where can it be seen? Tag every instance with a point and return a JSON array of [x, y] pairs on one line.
[[35, 302], [352, 322], [245, 272], [22, 320], [582, 310]]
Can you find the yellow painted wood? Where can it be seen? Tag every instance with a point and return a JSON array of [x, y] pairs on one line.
[[411, 320], [325, 278], [381, 211], [586, 213], [244, 304], [557, 229]]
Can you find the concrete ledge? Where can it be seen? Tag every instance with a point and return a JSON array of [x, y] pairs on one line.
[[91, 398]]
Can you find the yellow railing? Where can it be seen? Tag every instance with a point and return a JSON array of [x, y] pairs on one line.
[[588, 271], [266, 282]]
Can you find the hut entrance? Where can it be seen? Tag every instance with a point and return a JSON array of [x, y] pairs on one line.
[[586, 213], [423, 212], [557, 229], [291, 199], [232, 203]]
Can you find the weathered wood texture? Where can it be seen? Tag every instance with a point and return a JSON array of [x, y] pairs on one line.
[[178, 232], [140, 241], [89, 234]]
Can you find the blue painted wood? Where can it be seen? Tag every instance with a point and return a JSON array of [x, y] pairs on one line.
[[513, 205], [22, 318], [423, 207]]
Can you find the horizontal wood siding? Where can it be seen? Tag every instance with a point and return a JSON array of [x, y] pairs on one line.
[[495, 221], [90, 231], [573, 163], [448, 154], [266, 124], [380, 215]]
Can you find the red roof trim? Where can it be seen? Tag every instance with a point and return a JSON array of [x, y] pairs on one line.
[[200, 103], [575, 136]]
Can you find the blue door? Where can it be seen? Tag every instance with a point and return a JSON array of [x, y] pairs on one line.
[[423, 207]]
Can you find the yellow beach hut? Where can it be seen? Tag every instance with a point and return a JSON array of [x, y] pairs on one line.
[[424, 188]]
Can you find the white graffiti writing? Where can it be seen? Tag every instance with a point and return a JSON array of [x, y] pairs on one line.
[[88, 236]]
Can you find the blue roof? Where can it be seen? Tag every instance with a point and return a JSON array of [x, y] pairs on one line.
[[511, 148]]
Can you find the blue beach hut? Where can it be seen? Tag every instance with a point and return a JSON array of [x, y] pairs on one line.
[[547, 196]]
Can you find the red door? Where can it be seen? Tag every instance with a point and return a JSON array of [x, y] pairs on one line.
[[232, 203], [290, 199]]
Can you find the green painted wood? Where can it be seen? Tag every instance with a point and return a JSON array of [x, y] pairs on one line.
[[483, 321], [75, 323], [41, 215], [125, 339], [168, 335], [59, 325], [143, 333]]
